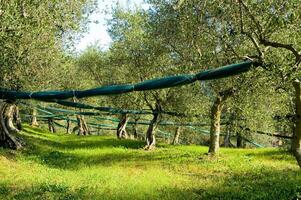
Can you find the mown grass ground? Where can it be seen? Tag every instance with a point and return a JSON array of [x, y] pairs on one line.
[[100, 167]]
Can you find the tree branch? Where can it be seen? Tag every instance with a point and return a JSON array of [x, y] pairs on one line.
[[259, 28], [288, 47], [255, 43]]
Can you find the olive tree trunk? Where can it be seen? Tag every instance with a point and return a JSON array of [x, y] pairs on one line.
[[297, 134], [79, 125], [34, 121], [51, 127], [17, 118], [82, 126], [176, 136], [85, 125], [121, 128], [239, 141], [150, 135], [215, 127], [68, 128], [8, 131], [135, 129], [227, 138]]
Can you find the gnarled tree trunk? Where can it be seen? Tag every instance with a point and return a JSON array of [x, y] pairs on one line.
[[34, 121], [150, 136], [297, 135], [51, 127], [177, 135], [121, 128], [17, 118], [8, 131]]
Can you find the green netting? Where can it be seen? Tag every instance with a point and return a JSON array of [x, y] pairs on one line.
[[206, 132], [252, 142], [49, 110], [166, 134], [160, 83], [202, 131], [116, 110], [94, 126], [68, 112]]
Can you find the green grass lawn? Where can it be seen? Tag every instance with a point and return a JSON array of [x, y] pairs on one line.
[[57, 166]]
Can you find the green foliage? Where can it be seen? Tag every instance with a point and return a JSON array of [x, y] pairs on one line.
[[57, 166], [33, 40]]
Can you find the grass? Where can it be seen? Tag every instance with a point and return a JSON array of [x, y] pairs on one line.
[[58, 166]]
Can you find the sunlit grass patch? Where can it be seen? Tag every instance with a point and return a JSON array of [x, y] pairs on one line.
[[59, 166]]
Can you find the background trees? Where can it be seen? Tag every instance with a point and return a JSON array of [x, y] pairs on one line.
[[171, 37], [32, 45]]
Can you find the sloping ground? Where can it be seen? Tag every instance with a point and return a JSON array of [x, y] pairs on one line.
[[98, 167]]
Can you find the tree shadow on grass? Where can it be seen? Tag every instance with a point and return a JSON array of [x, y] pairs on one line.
[[267, 185], [82, 142], [84, 151]]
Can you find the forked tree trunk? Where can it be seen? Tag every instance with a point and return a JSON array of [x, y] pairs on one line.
[[215, 127], [8, 138], [68, 129], [34, 121], [177, 135], [121, 128], [297, 135], [51, 127], [150, 135]]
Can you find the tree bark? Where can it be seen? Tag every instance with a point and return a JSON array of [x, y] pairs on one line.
[[8, 138], [34, 121], [85, 125], [51, 127], [135, 131], [121, 128], [150, 136], [292, 149], [297, 135], [216, 112], [68, 129], [239, 141], [227, 142], [135, 128], [17, 118], [79, 125], [177, 135], [215, 125]]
